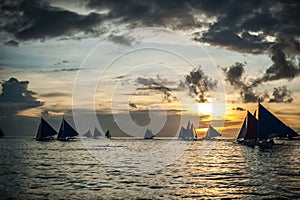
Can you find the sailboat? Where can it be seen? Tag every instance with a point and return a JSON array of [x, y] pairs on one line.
[[261, 131], [45, 131], [1, 133], [248, 133], [88, 134], [107, 134], [148, 134], [187, 133], [66, 132], [211, 133], [97, 133]]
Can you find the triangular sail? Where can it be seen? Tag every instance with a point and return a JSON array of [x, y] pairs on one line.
[[270, 126], [251, 127], [45, 130], [87, 134], [243, 130], [107, 134], [66, 130], [211, 133], [148, 134], [1, 133], [97, 133]]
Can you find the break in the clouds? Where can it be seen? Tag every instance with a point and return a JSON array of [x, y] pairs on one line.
[[15, 97], [234, 75]]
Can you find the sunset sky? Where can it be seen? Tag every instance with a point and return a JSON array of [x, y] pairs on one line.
[[136, 64]]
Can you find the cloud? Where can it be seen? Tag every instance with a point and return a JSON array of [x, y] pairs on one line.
[[239, 109], [16, 97], [234, 75], [31, 20], [12, 43], [122, 40], [158, 84], [133, 105], [199, 84], [53, 94], [281, 94], [67, 70]]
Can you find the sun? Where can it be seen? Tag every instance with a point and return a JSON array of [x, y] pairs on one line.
[[204, 108]]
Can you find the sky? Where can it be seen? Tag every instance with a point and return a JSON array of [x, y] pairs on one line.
[[132, 65]]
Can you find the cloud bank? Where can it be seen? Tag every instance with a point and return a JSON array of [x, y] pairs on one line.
[[15, 97]]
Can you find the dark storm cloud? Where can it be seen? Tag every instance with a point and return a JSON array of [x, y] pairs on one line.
[[12, 43], [200, 84], [122, 40], [158, 84], [29, 20], [257, 27], [281, 94], [16, 97], [234, 75]]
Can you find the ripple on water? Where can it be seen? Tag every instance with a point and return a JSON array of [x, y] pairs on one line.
[[57, 170]]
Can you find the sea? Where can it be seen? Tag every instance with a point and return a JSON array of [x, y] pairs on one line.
[[126, 168]]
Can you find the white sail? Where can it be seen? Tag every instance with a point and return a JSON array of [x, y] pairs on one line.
[[88, 134], [187, 133], [211, 133]]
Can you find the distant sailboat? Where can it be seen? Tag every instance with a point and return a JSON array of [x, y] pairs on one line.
[[66, 132], [97, 133], [88, 134], [148, 134], [107, 134], [1, 133], [211, 133], [45, 131], [187, 133], [261, 131]]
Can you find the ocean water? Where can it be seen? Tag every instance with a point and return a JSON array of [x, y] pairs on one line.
[[68, 170]]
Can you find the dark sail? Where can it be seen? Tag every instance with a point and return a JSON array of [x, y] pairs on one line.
[[45, 131], [66, 131], [243, 130], [251, 127], [1, 133], [148, 134], [107, 134], [270, 126]]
